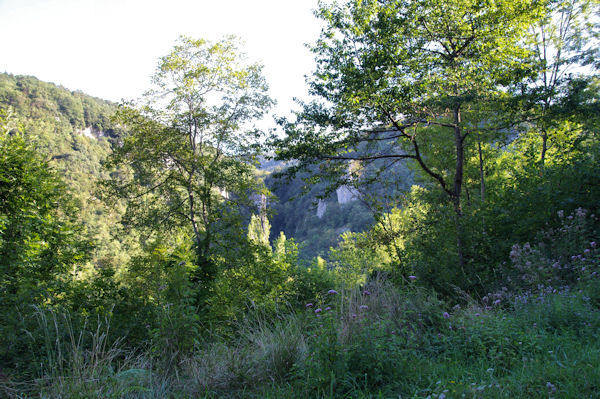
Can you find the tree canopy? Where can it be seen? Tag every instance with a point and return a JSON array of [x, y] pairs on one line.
[[410, 80], [186, 160]]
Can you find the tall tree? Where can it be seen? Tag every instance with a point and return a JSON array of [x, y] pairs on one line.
[[564, 45], [187, 152], [408, 79]]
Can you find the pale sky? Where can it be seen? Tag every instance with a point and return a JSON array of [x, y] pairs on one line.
[[110, 48]]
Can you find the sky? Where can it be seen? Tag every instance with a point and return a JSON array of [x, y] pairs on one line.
[[110, 48]]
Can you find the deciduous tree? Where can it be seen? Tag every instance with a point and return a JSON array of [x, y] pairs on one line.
[[408, 80], [186, 159]]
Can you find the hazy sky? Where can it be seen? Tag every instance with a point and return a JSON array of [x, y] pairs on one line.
[[110, 48]]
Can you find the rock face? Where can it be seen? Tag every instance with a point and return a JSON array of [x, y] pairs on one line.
[[91, 132], [260, 201], [346, 194], [321, 208], [223, 192]]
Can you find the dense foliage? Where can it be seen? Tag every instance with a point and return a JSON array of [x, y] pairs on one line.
[[449, 159]]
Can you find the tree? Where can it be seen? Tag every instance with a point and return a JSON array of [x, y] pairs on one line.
[[408, 80], [563, 44], [186, 161], [40, 238]]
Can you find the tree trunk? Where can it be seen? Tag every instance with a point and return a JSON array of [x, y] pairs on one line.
[[544, 147], [481, 174], [457, 189]]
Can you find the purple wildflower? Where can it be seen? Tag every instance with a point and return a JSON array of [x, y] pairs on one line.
[[593, 244], [354, 315], [412, 277], [328, 308], [363, 307], [333, 292], [497, 302], [318, 310], [446, 315], [586, 251], [366, 292], [309, 305]]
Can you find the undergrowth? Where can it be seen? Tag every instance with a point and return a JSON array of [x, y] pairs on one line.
[[536, 335]]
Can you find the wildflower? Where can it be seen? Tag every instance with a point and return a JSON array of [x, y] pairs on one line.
[[561, 214], [456, 307], [593, 244], [328, 308], [515, 252], [497, 302], [366, 292], [446, 315], [412, 277], [354, 315], [363, 307], [309, 305], [332, 292], [318, 310], [476, 314], [586, 251]]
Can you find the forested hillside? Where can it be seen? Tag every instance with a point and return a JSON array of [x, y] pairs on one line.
[[316, 213], [74, 133], [443, 177]]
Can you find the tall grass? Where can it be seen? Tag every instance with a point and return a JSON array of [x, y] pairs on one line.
[[75, 361]]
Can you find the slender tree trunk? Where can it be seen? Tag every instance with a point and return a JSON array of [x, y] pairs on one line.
[[481, 174], [544, 146], [457, 189], [193, 217]]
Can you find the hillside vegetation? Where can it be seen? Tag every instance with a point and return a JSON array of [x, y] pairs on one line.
[[443, 179]]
